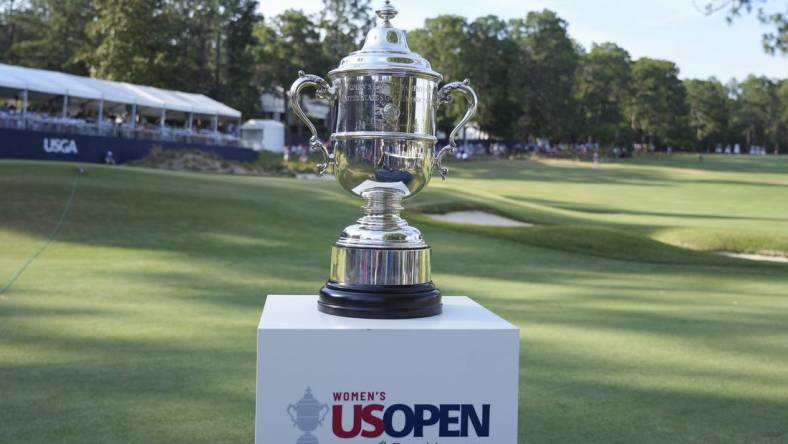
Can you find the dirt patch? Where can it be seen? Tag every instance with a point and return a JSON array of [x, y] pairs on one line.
[[478, 218]]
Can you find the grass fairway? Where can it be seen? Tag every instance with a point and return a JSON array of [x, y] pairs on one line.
[[137, 325]]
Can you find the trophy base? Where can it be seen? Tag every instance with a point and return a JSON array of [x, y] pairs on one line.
[[380, 301]]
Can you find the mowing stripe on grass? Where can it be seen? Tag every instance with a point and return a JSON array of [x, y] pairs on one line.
[[74, 184]]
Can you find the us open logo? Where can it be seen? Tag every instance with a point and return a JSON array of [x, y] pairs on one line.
[[366, 415], [60, 146]]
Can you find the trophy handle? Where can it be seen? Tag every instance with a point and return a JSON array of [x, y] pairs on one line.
[[326, 408], [323, 91], [290, 414], [444, 96]]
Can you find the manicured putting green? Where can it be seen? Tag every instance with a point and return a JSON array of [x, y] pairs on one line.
[[137, 325]]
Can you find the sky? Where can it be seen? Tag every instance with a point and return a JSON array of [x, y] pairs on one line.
[[702, 46]]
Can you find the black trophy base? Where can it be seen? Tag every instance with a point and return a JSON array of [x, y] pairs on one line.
[[380, 301]]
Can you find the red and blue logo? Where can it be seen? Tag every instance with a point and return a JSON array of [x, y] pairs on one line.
[[365, 414]]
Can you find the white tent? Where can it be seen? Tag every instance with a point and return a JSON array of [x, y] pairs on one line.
[[14, 74], [208, 106], [85, 88], [170, 100], [116, 92], [7, 80], [73, 85]]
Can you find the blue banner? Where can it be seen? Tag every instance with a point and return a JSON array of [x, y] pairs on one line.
[[28, 144]]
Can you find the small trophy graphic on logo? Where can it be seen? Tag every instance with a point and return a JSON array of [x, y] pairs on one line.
[[309, 414]]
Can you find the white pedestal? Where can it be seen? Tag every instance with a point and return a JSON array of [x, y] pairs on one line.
[[451, 378]]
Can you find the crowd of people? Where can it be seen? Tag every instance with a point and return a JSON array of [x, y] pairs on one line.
[[543, 148], [299, 151], [81, 121], [754, 150]]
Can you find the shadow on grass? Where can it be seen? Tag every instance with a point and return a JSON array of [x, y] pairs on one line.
[[76, 389]]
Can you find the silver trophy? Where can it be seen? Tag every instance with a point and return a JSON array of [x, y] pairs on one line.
[[309, 414], [383, 151]]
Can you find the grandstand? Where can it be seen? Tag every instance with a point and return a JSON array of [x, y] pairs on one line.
[[37, 105]]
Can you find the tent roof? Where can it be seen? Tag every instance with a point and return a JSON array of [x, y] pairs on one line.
[[9, 81], [207, 103], [58, 83], [116, 92], [29, 80]]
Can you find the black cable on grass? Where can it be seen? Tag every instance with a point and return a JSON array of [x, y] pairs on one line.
[[78, 172]]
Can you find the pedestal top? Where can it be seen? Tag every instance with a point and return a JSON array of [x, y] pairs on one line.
[[299, 312]]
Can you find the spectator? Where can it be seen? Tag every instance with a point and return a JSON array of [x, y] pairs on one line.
[[109, 159]]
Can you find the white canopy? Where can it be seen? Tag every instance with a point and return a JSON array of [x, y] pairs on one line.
[[31, 82], [9, 81], [205, 102], [62, 84], [116, 92]]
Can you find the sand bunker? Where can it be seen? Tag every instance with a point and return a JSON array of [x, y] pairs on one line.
[[754, 257], [478, 218]]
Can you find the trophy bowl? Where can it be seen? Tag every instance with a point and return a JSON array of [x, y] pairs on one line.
[[404, 166], [383, 152]]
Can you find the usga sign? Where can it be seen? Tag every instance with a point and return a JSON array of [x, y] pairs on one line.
[[60, 146]]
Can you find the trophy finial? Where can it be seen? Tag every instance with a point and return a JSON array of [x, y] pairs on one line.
[[386, 12]]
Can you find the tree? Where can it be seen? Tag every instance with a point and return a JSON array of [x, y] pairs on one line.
[[48, 34], [288, 43], [345, 24], [444, 41], [134, 42], [708, 108], [194, 27], [757, 111], [21, 22], [544, 75], [603, 86], [237, 85], [656, 109], [782, 97], [775, 128], [488, 57]]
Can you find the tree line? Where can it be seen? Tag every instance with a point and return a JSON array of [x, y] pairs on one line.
[[532, 78]]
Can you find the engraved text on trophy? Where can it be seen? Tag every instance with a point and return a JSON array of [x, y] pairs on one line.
[[385, 104]]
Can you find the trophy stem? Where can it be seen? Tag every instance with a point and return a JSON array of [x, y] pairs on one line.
[[381, 210]]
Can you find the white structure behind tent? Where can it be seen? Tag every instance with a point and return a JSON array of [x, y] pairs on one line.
[[266, 135]]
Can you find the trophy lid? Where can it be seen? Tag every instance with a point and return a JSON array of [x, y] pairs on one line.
[[385, 49]]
